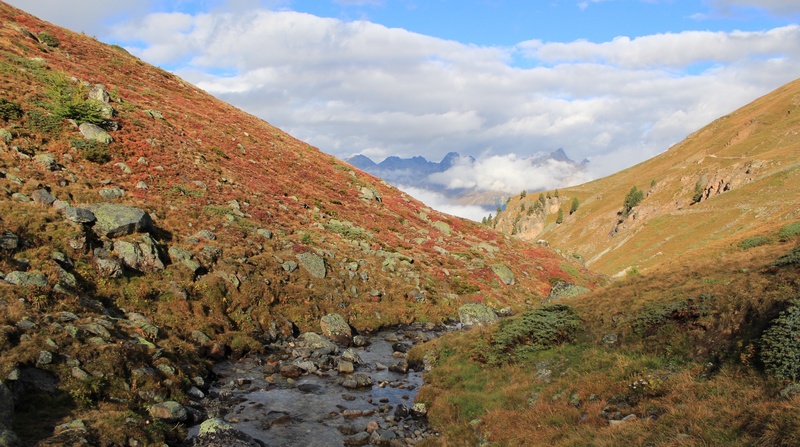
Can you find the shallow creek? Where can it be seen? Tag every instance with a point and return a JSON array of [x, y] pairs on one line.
[[320, 408]]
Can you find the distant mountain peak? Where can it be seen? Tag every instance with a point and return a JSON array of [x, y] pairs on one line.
[[560, 155]]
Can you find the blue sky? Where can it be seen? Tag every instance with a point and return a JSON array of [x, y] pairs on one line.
[[611, 81]]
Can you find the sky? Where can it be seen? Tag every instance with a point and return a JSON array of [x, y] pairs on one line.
[[612, 81]]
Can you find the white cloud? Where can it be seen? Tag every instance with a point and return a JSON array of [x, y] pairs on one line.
[[509, 173], [441, 203], [672, 50]]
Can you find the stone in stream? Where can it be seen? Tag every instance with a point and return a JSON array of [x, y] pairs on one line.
[[336, 329], [216, 432], [358, 439], [357, 380]]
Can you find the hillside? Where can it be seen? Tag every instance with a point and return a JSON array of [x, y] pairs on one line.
[[734, 179], [149, 229]]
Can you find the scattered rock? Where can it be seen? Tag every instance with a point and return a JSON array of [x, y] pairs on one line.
[[42, 197], [94, 132], [564, 289], [115, 220], [218, 433], [9, 241], [336, 328], [504, 273], [476, 314], [185, 257], [170, 412], [26, 279], [112, 193], [313, 263], [79, 215]]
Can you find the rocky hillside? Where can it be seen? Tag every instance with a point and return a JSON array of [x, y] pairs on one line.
[[731, 181], [149, 229]]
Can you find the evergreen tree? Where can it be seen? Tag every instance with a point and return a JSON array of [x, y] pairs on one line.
[[632, 199], [560, 217], [574, 206]]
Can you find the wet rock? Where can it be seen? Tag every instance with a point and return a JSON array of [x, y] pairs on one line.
[[170, 412], [316, 342], [291, 371], [116, 220], [400, 367], [310, 388], [357, 380], [476, 314], [336, 328], [360, 341], [357, 440], [275, 418], [346, 367]]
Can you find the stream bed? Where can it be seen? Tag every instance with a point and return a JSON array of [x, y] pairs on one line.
[[310, 392]]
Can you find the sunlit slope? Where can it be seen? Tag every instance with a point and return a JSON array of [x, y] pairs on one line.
[[743, 169]]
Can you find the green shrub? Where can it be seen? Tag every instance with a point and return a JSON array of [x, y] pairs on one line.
[[9, 110], [536, 330], [789, 231], [43, 123], [68, 101], [93, 151], [752, 242], [791, 258], [699, 188], [780, 350], [48, 39]]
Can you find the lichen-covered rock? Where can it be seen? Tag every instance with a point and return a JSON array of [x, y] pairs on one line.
[[170, 412], [443, 227], [9, 241], [107, 265], [79, 215], [141, 256], [94, 132], [336, 328], [112, 193], [315, 342], [504, 273], [26, 279], [476, 314], [185, 257], [46, 160], [216, 432], [116, 220], [564, 289], [312, 263]]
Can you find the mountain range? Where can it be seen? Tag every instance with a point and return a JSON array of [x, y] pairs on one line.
[[418, 172]]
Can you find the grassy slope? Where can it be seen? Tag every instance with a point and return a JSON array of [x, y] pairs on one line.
[[691, 333], [755, 147], [199, 157]]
